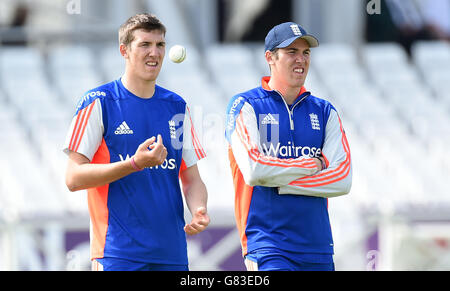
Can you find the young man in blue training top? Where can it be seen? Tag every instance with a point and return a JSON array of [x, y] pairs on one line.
[[129, 143], [288, 154]]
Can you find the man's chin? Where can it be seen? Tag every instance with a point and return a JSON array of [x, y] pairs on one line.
[[149, 77]]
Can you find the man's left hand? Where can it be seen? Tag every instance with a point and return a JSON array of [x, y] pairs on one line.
[[200, 221]]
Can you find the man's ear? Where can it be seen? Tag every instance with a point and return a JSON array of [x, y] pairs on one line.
[[123, 50], [269, 57]]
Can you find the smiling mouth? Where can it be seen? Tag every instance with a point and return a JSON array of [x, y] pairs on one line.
[[151, 64], [299, 70]]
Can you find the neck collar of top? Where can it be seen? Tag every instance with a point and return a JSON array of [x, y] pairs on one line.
[[265, 86]]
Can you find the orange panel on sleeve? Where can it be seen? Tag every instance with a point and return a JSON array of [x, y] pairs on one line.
[[98, 207]]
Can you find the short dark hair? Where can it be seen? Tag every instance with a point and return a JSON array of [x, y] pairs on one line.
[[146, 21]]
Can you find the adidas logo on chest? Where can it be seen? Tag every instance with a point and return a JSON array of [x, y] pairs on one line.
[[123, 129], [269, 119]]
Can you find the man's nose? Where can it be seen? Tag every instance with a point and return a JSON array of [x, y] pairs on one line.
[[301, 59], [153, 51]]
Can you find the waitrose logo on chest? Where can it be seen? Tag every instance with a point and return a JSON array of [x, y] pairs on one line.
[[278, 150], [168, 164]]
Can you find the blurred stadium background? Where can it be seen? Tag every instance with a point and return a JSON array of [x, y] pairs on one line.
[[384, 64]]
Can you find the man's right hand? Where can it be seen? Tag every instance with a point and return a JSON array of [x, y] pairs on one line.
[[150, 153], [320, 163]]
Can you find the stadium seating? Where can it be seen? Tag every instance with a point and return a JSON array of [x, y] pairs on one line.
[[395, 110], [232, 67], [110, 62], [73, 69], [379, 94], [431, 57], [336, 62]]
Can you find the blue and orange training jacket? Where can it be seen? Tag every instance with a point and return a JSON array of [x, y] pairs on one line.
[[281, 199]]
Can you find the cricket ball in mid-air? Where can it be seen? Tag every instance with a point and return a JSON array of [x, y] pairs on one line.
[[177, 53]]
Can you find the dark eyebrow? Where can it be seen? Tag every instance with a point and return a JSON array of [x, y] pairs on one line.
[[149, 42]]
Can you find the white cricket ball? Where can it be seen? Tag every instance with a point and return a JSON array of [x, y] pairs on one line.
[[177, 53]]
